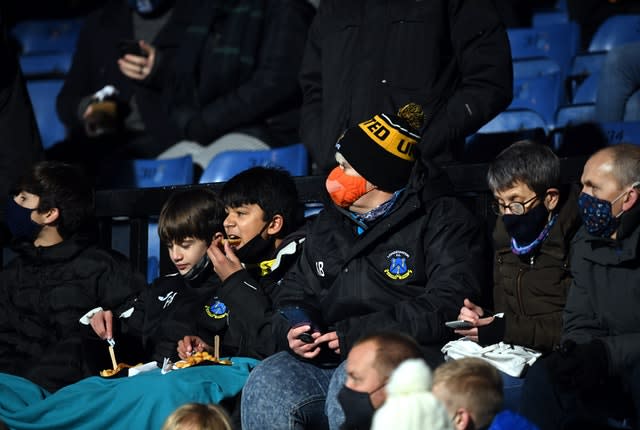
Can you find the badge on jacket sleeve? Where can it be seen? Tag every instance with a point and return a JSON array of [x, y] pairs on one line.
[[216, 309], [398, 265]]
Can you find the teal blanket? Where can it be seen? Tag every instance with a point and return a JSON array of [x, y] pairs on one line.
[[140, 402]]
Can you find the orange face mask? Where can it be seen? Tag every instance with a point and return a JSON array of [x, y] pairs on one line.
[[345, 189]]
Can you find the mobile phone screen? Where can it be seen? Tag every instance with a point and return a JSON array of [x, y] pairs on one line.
[[130, 47]]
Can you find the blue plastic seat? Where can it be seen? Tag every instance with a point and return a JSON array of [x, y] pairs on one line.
[[43, 95], [587, 91], [160, 173], [621, 131], [48, 65], [47, 35], [542, 94], [570, 116], [614, 31], [503, 130], [559, 41], [293, 158], [533, 67]]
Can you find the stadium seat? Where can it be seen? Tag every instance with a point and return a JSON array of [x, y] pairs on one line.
[[503, 130], [542, 94], [49, 65], [43, 95], [615, 30], [160, 173], [47, 35], [533, 67], [621, 131], [293, 158], [582, 65], [559, 41], [587, 91], [568, 117]]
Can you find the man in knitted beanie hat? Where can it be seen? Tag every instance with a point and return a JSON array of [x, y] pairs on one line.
[[381, 255]]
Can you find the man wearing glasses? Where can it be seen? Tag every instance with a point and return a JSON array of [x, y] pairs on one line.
[[537, 220]]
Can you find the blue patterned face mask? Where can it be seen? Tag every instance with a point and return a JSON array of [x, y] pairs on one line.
[[597, 216]]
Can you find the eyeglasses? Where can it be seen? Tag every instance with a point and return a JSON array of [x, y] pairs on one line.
[[516, 208]]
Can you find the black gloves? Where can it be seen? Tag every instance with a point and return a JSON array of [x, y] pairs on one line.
[[579, 366]]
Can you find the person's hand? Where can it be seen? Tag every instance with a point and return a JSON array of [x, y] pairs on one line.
[[138, 67], [100, 118], [580, 367], [189, 345], [332, 340], [224, 259], [305, 350], [474, 314], [102, 324]]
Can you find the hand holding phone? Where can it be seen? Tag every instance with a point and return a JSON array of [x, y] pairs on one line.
[[131, 47], [459, 324], [298, 317]]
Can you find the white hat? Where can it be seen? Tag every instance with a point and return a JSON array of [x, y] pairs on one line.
[[410, 405]]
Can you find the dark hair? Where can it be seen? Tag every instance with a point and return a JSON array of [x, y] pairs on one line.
[[271, 188], [392, 348], [65, 187], [533, 164], [196, 213]]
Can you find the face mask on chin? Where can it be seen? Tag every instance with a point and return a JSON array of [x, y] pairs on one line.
[[257, 249], [357, 407], [345, 189], [197, 269], [19, 222]]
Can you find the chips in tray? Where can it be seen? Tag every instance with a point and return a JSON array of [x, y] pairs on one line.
[[200, 358], [108, 373]]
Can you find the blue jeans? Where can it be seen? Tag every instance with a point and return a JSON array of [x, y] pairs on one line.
[[284, 393], [512, 391], [619, 80]]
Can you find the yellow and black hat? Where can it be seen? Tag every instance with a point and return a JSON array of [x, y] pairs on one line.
[[382, 149]]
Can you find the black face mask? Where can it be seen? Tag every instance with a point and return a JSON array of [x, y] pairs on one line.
[[357, 408], [526, 228], [19, 221], [257, 249], [197, 269]]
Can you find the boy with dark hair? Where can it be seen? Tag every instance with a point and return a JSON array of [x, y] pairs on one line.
[[263, 241], [58, 275]]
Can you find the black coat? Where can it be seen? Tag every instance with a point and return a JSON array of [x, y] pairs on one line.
[[410, 271], [365, 57], [44, 292]]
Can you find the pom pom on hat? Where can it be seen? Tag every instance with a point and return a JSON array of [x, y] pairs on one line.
[[410, 405], [382, 149]]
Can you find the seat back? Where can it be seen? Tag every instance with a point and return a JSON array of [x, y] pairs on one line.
[[161, 173], [534, 66], [48, 65], [587, 91], [614, 31], [503, 130], [542, 94], [621, 131], [43, 95], [558, 41], [566, 119], [293, 158], [47, 35]]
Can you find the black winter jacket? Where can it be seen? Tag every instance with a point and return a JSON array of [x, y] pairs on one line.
[[365, 57], [408, 272], [44, 292], [603, 300]]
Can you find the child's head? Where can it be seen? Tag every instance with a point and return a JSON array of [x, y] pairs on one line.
[[57, 194], [198, 416], [471, 390], [261, 201], [188, 222]]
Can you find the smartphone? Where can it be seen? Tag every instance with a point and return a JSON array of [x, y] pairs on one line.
[[298, 317], [130, 47], [459, 324]]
